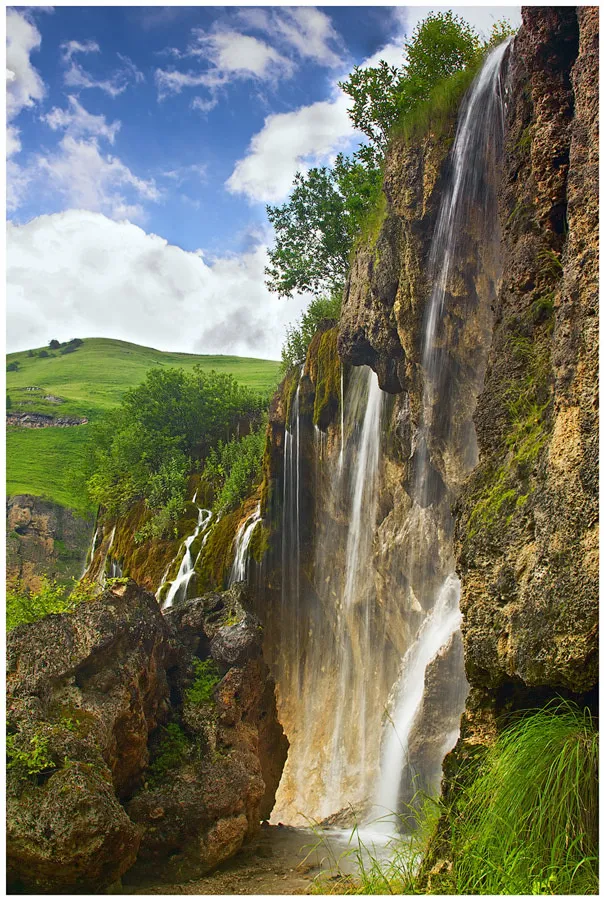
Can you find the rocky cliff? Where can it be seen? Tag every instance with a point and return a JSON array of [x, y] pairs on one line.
[[137, 744], [43, 538]]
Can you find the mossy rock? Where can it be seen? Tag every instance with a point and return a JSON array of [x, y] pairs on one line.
[[259, 542], [218, 554], [288, 391], [328, 378]]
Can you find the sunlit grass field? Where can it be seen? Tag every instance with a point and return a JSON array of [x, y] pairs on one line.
[[47, 461]]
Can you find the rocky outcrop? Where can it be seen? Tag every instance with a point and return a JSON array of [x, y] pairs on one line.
[[40, 420], [44, 538], [130, 748]]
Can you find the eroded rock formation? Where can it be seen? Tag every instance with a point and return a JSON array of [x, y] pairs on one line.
[[91, 696]]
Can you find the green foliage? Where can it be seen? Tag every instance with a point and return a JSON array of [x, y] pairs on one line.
[[299, 336], [207, 677], [327, 390], [234, 468], [49, 462], [13, 367], [528, 823], [24, 606], [144, 448], [315, 229], [9, 402], [172, 747], [30, 760], [440, 46]]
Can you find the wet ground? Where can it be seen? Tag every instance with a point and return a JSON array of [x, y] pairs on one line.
[[280, 860]]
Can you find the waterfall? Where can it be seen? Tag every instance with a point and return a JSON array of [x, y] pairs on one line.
[[327, 635], [242, 543], [466, 234], [178, 588]]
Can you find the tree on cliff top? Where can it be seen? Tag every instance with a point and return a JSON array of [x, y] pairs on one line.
[[316, 228]]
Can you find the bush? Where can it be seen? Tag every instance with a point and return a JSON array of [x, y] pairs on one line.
[[170, 751], [24, 606], [207, 677], [234, 469], [9, 402], [31, 761], [298, 337], [44, 354], [13, 367], [54, 345]]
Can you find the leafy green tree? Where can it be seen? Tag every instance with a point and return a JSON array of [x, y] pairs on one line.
[[440, 46], [234, 468], [315, 229]]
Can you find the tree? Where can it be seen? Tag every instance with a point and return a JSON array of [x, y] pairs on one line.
[[13, 366], [441, 45], [315, 229], [54, 344], [299, 336]]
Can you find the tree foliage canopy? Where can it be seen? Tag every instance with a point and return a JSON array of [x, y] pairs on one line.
[[144, 449]]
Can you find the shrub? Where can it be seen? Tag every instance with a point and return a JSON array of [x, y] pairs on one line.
[[44, 354], [9, 402], [54, 344], [299, 336], [28, 761], [207, 677], [24, 606], [168, 755], [234, 468], [13, 366]]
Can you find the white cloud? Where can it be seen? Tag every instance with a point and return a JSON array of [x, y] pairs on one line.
[[172, 82], [24, 84], [239, 55], [70, 47], [80, 273], [87, 179], [78, 121], [288, 142], [13, 141], [304, 29]]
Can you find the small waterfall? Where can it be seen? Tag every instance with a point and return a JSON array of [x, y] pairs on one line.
[[178, 588], [95, 546], [242, 543], [107, 557], [437, 629], [466, 241]]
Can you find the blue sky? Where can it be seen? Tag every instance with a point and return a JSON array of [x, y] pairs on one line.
[[144, 143]]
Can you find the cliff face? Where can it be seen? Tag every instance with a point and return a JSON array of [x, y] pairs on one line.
[[525, 509], [527, 524], [43, 538]]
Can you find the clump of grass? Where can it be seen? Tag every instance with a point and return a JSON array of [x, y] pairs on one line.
[[170, 751], [528, 823]]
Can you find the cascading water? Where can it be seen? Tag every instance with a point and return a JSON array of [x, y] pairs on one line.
[[467, 216], [242, 542], [178, 588], [368, 619]]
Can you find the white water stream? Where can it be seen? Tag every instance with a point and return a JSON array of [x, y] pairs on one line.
[[178, 588], [242, 543]]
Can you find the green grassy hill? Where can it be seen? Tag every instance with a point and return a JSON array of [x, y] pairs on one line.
[[46, 461]]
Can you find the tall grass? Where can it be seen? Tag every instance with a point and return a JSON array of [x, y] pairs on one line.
[[528, 823]]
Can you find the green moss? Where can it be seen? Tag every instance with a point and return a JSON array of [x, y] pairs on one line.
[[372, 225], [207, 677], [288, 391], [217, 557], [436, 116], [169, 753], [327, 384], [259, 542]]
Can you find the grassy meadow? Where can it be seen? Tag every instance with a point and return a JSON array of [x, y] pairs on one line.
[[47, 461]]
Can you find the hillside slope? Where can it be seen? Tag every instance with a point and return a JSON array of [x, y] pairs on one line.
[[45, 462]]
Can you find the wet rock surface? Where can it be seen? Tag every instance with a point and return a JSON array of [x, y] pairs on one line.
[[92, 696]]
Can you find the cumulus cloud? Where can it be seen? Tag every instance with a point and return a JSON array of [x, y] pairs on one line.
[[305, 30], [289, 142], [78, 121], [85, 178], [80, 273]]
